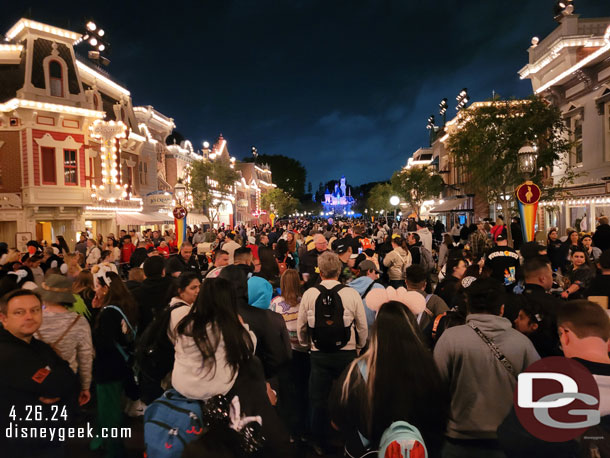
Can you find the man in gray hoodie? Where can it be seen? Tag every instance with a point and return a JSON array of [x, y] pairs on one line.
[[481, 386]]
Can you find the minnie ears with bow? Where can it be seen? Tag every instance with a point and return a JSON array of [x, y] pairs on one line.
[[412, 299]]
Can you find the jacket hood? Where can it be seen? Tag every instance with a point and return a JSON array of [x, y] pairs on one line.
[[260, 292], [360, 284], [400, 250], [488, 323]]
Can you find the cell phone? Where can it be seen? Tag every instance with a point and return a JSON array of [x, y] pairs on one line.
[[360, 250]]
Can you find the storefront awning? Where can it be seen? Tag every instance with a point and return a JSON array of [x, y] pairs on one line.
[[137, 218], [448, 205], [196, 218]]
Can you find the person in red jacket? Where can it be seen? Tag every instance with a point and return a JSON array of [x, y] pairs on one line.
[[127, 249]]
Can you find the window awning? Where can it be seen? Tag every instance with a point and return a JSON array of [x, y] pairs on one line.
[[137, 218], [449, 205]]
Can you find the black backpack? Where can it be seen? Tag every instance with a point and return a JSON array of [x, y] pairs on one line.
[[155, 352], [329, 332]]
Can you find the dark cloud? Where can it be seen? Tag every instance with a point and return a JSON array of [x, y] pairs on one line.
[[345, 86]]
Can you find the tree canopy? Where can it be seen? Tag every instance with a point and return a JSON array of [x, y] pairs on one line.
[[283, 203], [212, 182], [379, 196], [287, 173], [416, 185], [488, 137]]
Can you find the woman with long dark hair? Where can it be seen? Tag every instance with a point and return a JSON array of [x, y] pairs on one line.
[[62, 245], [211, 342], [553, 249], [269, 268], [396, 379], [565, 250], [113, 339], [454, 272]]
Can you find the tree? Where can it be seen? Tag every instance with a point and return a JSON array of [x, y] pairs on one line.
[[379, 197], [487, 138], [283, 203], [416, 185], [287, 173], [212, 183]]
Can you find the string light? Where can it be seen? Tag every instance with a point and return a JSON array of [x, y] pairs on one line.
[[109, 132]]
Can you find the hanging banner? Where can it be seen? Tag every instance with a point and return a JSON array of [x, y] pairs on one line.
[[528, 195], [180, 224]]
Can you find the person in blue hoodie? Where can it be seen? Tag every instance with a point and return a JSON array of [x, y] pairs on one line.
[[365, 282], [260, 293]]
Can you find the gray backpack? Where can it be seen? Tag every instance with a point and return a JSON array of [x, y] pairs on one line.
[[426, 260]]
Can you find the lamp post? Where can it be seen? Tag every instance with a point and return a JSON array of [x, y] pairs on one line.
[[180, 213], [462, 99], [430, 126], [394, 201], [527, 193], [442, 109]]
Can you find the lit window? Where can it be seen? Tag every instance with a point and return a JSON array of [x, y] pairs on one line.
[[49, 175], [70, 167], [577, 154], [56, 79]]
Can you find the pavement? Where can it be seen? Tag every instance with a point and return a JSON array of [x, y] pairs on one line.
[[79, 448]]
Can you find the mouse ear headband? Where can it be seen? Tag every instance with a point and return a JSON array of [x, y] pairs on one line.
[[101, 271], [413, 300]]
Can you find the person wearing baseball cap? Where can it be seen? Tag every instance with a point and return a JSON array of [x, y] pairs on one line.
[[503, 261], [368, 274], [343, 248]]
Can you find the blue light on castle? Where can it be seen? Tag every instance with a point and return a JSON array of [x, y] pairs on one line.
[[340, 201]]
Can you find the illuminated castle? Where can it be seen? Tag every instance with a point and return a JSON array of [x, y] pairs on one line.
[[340, 200]]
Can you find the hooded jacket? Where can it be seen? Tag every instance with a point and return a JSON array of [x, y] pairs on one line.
[[271, 347], [397, 262], [481, 387], [361, 284]]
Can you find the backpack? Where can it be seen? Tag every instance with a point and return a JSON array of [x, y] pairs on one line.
[[155, 352], [129, 331], [329, 332], [400, 439], [282, 266], [425, 259], [171, 422]]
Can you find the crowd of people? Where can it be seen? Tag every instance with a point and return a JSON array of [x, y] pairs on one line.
[[310, 334]]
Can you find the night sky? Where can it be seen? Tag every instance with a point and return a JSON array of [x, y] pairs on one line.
[[346, 87]]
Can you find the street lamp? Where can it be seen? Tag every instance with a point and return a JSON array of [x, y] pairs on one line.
[[430, 126], [443, 108], [180, 192], [527, 160], [528, 193], [462, 99]]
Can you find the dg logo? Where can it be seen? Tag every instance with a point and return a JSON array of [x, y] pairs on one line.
[[557, 399]]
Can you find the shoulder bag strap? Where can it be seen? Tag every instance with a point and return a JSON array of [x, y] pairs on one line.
[[495, 350], [366, 291], [54, 344], [437, 321], [118, 309]]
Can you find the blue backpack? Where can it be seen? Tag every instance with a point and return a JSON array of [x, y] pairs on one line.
[[171, 422], [400, 439]]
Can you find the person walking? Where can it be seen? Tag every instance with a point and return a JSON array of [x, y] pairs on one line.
[[327, 363]]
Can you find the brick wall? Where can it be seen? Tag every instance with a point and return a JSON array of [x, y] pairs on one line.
[[10, 164], [59, 136]]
